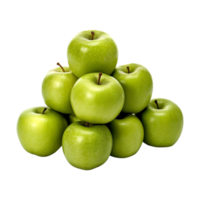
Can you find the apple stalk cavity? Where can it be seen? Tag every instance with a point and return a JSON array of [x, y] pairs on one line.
[[60, 66], [92, 33], [87, 124], [128, 69], [44, 110], [100, 74], [156, 102]]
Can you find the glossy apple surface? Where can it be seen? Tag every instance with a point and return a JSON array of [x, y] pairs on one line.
[[56, 89], [137, 84], [86, 147], [163, 124], [41, 133], [97, 103], [128, 133], [92, 51]]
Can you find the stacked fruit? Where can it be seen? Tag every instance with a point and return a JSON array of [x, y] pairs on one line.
[[108, 109]]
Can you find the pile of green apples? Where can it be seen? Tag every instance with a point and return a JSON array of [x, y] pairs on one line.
[[95, 110]]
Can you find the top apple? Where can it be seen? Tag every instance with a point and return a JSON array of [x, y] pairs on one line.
[[92, 51]]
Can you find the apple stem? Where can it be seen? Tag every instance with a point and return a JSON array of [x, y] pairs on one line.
[[92, 32], [44, 110], [128, 69], [156, 103], [87, 124], [100, 74], [60, 66]]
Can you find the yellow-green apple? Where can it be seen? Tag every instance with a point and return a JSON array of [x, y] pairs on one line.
[[92, 51], [137, 84], [56, 89], [72, 118], [97, 98], [128, 133], [162, 121], [86, 146], [40, 130]]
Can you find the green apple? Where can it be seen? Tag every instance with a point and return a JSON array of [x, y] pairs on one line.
[[128, 133], [56, 89], [72, 118], [92, 51], [97, 99], [86, 146], [162, 121], [40, 130], [137, 84]]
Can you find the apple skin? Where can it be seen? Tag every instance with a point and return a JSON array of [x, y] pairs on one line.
[[56, 89], [86, 147], [137, 85], [86, 55], [97, 104], [128, 134], [163, 126], [41, 134], [72, 118]]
